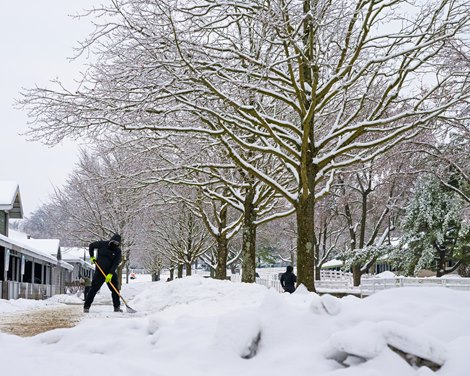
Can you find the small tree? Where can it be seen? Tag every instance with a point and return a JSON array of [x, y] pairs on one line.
[[182, 236], [266, 255], [436, 235]]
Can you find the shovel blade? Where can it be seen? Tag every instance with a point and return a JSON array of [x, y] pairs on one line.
[[130, 310]]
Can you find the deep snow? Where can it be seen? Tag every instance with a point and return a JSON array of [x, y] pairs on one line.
[[198, 326]]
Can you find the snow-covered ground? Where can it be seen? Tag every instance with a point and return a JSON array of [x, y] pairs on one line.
[[202, 327]]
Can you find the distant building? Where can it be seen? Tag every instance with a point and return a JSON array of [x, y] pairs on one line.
[[62, 274], [79, 258], [333, 265]]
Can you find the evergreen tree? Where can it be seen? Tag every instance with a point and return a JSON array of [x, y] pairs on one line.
[[436, 236]]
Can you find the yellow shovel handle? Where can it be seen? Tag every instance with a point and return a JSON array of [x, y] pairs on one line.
[[115, 289]]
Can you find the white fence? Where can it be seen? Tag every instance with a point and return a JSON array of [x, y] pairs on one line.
[[371, 285], [16, 290], [338, 282]]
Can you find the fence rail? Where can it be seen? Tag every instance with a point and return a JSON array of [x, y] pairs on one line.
[[339, 282], [16, 290], [371, 285]]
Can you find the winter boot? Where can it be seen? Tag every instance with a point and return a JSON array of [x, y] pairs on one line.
[[86, 309], [117, 309]]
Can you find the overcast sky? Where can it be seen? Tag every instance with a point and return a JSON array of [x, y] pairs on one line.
[[37, 38]]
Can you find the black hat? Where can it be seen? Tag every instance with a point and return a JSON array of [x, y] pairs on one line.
[[116, 237]]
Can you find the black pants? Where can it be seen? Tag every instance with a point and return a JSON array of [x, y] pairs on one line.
[[96, 283], [85, 292], [289, 289]]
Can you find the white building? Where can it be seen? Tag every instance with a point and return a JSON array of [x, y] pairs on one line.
[[79, 258], [29, 268]]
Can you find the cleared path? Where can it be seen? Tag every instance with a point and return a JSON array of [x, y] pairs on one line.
[[30, 323]]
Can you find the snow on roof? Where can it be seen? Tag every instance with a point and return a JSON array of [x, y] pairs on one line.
[[49, 246], [27, 249], [74, 253], [45, 246], [8, 191], [333, 263], [65, 265], [10, 200]]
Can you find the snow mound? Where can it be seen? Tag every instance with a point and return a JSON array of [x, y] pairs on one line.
[[65, 299], [17, 305], [367, 340], [326, 304], [239, 333], [386, 274], [203, 327]]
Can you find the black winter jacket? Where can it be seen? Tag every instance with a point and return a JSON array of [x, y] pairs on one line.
[[108, 256], [288, 280]]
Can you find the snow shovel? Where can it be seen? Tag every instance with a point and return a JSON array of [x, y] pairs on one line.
[[129, 309]]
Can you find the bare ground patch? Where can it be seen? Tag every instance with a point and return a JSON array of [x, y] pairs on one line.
[[27, 324]]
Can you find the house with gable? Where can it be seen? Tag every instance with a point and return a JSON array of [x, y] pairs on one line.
[[29, 268], [62, 274]]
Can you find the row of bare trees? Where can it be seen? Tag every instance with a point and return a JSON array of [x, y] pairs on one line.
[[169, 219], [270, 104]]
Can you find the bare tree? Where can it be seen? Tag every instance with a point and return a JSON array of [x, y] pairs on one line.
[[316, 85], [371, 199], [181, 236], [221, 180], [328, 232]]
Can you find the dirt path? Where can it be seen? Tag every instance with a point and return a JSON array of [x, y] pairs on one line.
[[30, 323]]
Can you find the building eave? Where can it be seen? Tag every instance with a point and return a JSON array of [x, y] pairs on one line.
[[13, 206], [26, 250]]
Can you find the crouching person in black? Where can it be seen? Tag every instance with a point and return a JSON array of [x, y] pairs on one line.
[[108, 258], [288, 280]]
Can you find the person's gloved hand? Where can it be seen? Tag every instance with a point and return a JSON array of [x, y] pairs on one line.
[[108, 278], [93, 260]]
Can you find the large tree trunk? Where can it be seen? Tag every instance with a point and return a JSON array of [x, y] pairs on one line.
[[305, 241], [188, 268], [305, 209], [222, 253], [249, 241], [357, 274], [180, 271]]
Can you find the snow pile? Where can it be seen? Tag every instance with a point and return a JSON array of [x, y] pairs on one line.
[[197, 326], [67, 299], [19, 305], [386, 274]]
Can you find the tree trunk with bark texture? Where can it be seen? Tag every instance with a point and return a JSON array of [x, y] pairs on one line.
[[180, 271], [249, 241], [222, 254], [305, 242], [188, 268]]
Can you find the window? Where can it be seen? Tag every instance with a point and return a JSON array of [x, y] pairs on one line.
[[3, 223]]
